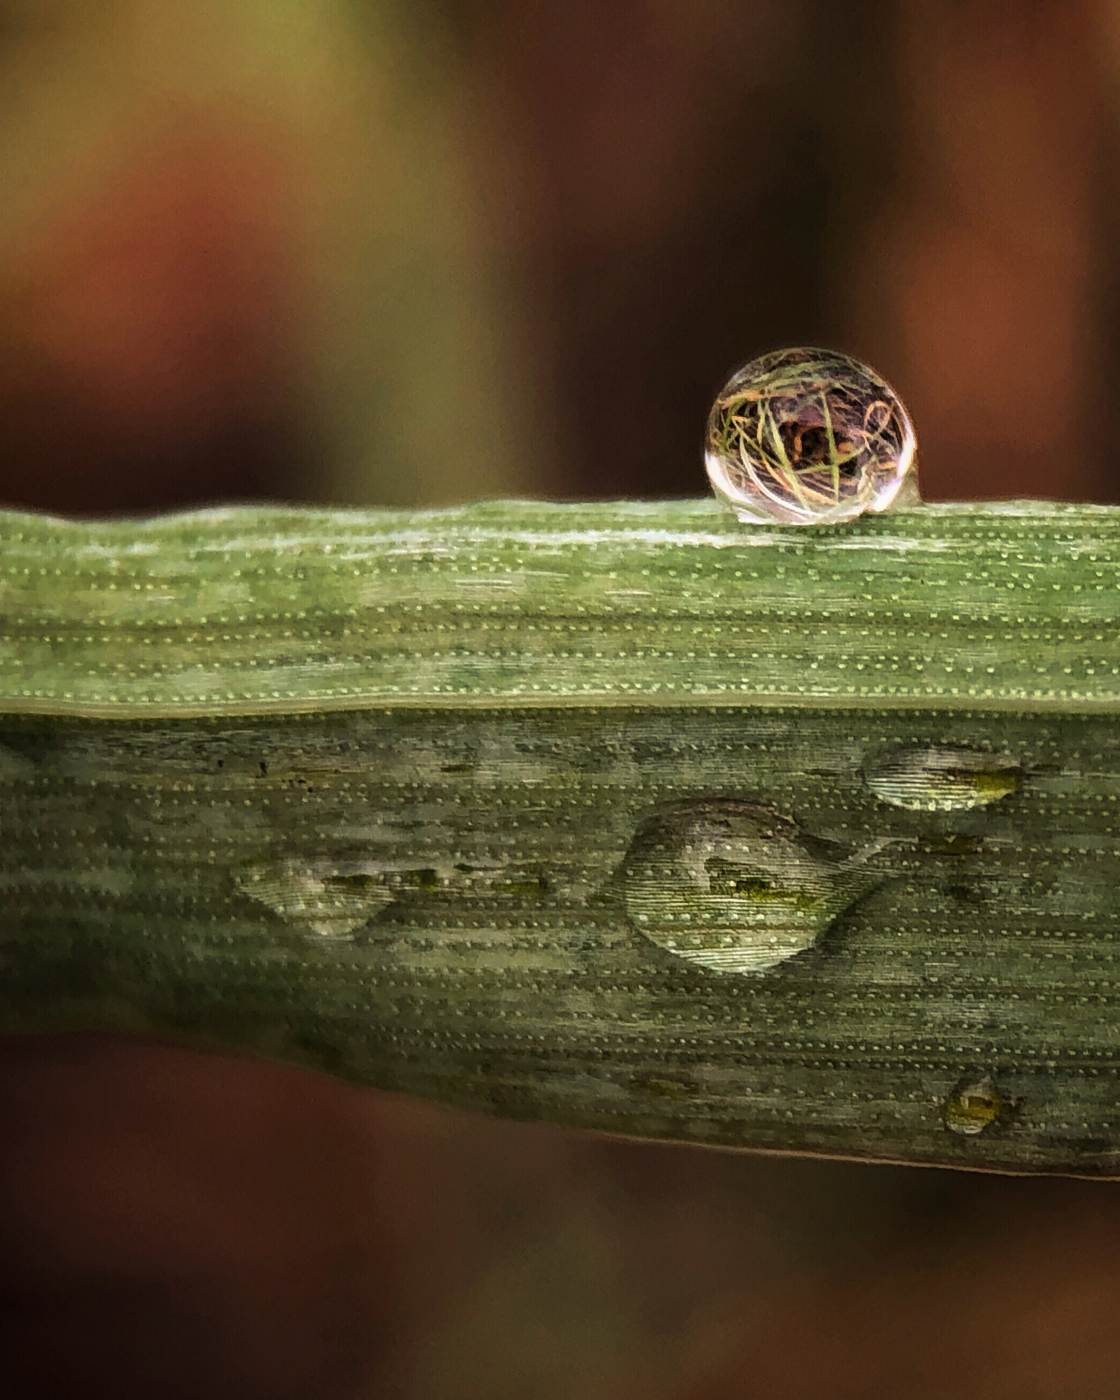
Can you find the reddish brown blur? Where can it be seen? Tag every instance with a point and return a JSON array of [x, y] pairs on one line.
[[150, 336], [664, 190]]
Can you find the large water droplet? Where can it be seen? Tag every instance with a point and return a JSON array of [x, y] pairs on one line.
[[942, 779], [334, 900], [808, 437], [973, 1106], [735, 887]]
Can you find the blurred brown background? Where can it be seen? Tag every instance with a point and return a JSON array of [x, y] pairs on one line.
[[411, 251]]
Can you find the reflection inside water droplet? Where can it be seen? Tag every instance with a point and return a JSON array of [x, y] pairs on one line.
[[807, 437], [334, 900], [973, 1106], [735, 887], [942, 779]]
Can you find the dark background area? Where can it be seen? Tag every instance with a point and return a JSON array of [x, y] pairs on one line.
[[406, 253]]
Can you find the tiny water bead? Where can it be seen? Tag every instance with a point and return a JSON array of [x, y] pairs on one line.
[[808, 437], [735, 887], [973, 1106]]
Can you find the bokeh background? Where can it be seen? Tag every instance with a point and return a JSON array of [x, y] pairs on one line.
[[418, 251]]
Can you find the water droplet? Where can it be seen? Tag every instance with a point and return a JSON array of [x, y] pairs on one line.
[[973, 1106], [735, 887], [334, 900], [942, 779], [807, 437]]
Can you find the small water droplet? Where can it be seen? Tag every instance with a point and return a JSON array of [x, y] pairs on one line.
[[807, 437], [334, 900], [942, 779], [973, 1106], [736, 887]]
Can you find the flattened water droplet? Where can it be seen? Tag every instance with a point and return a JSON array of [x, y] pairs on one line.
[[942, 779], [334, 900], [735, 887], [808, 437], [973, 1106]]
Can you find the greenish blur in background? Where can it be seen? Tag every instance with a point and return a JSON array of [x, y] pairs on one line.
[[422, 251]]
